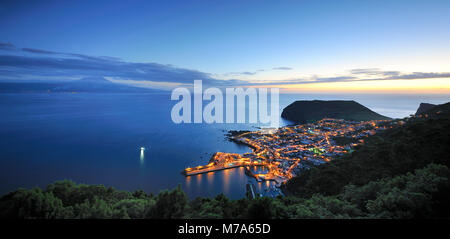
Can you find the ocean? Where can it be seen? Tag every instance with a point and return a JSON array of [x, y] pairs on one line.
[[96, 138]]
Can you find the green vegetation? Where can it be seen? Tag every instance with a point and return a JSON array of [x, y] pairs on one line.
[[413, 195], [310, 111], [393, 152], [402, 172]]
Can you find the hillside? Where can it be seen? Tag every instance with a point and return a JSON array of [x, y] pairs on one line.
[[437, 112], [424, 107], [392, 153], [309, 111]]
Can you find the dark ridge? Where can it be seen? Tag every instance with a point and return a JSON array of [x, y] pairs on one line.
[[309, 111], [438, 112], [424, 107]]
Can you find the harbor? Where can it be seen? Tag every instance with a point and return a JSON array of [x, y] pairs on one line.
[[286, 151]]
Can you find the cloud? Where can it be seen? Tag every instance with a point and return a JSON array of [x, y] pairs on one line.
[[30, 63], [100, 67], [309, 80], [39, 51], [41, 64], [374, 72], [256, 72], [31, 50], [364, 71], [248, 73], [396, 75], [282, 68], [420, 75], [7, 46], [353, 78]]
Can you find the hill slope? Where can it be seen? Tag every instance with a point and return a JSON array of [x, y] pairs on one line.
[[424, 107], [396, 151], [308, 111], [437, 112]]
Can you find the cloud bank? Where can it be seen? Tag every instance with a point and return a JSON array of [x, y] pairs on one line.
[[283, 68], [29, 63], [36, 64]]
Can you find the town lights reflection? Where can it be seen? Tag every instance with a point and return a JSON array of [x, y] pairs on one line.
[[210, 178], [231, 182], [226, 181], [188, 182]]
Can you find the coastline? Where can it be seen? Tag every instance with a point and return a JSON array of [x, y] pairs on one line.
[[288, 150]]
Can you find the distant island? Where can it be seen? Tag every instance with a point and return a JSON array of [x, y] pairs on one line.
[[85, 85], [310, 111]]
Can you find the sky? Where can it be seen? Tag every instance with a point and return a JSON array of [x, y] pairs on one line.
[[345, 46]]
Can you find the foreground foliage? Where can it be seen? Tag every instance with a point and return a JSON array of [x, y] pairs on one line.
[[413, 195]]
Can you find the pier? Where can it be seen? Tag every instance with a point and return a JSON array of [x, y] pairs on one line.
[[251, 190], [223, 161], [212, 168]]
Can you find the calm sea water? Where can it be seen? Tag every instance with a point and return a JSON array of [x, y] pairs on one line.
[[96, 139]]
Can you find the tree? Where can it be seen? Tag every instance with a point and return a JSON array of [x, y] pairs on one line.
[[170, 204], [261, 208]]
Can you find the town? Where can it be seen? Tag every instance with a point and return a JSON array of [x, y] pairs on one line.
[[284, 152]]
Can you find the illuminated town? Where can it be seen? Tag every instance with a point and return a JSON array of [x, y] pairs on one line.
[[285, 151]]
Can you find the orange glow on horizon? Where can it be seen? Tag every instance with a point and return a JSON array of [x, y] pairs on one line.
[[427, 86]]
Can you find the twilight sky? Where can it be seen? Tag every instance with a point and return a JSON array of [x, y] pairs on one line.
[[389, 46]]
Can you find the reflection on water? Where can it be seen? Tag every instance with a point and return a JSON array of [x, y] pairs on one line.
[[142, 155], [210, 178], [226, 181], [188, 182], [198, 177], [230, 182]]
